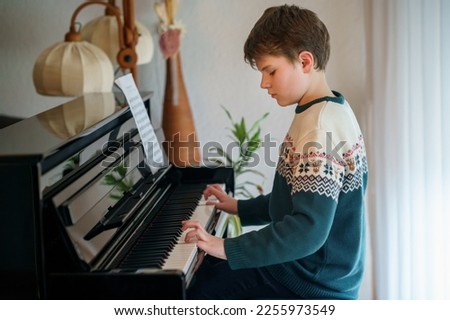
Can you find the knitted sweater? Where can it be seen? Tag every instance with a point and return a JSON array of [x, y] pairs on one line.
[[314, 243]]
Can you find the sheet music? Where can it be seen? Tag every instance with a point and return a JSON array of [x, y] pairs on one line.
[[152, 149]]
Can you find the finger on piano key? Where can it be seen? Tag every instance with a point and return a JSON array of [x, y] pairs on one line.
[[211, 198]]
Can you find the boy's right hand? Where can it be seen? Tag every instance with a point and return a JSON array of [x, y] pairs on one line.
[[222, 200]]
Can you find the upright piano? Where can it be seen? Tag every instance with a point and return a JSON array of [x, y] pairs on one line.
[[84, 217]]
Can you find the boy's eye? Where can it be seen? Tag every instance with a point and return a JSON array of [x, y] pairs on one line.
[[272, 72]]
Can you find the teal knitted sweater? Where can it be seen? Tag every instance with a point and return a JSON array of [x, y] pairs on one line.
[[314, 240]]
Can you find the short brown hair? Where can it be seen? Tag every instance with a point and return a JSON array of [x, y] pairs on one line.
[[286, 31]]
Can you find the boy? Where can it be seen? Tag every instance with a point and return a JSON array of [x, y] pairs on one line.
[[313, 246]]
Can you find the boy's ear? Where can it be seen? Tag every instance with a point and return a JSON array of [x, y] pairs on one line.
[[306, 60]]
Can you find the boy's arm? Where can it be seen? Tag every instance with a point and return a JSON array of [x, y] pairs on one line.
[[254, 211], [300, 233]]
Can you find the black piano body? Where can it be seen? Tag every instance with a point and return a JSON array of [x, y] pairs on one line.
[[77, 199]]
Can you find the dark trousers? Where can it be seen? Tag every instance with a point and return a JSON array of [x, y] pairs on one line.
[[214, 280]]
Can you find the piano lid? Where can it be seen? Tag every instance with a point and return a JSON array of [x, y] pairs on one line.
[[43, 133]]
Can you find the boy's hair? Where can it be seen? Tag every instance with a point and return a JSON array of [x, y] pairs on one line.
[[286, 31]]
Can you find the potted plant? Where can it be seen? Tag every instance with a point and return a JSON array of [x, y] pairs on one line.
[[248, 140]]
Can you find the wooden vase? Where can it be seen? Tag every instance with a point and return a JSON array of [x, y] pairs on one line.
[[181, 143]]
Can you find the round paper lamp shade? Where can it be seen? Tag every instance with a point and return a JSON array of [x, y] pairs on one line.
[[71, 69], [103, 32]]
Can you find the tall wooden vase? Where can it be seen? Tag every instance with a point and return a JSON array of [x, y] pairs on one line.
[[181, 143]]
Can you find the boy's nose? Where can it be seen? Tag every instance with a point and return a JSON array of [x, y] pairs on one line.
[[264, 83]]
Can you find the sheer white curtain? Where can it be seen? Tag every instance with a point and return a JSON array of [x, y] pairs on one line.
[[409, 148]]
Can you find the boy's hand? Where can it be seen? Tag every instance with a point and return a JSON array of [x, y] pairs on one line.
[[223, 201], [210, 244]]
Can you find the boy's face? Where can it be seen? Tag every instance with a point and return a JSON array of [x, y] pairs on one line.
[[285, 81]]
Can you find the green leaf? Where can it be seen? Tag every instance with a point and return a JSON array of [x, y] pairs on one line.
[[227, 113], [116, 196], [244, 192], [257, 122], [249, 183], [110, 180], [234, 226], [253, 171], [121, 170], [240, 131], [248, 141], [256, 137]]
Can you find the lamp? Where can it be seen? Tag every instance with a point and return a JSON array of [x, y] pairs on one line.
[[104, 32], [61, 70], [76, 66]]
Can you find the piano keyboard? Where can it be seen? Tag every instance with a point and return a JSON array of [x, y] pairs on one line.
[[85, 224], [162, 245]]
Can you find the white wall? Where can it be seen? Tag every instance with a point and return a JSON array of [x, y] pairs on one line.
[[214, 70]]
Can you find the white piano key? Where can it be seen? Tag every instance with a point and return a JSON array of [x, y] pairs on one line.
[[182, 257], [183, 254]]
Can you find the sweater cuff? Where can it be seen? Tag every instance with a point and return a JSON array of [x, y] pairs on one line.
[[234, 254]]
